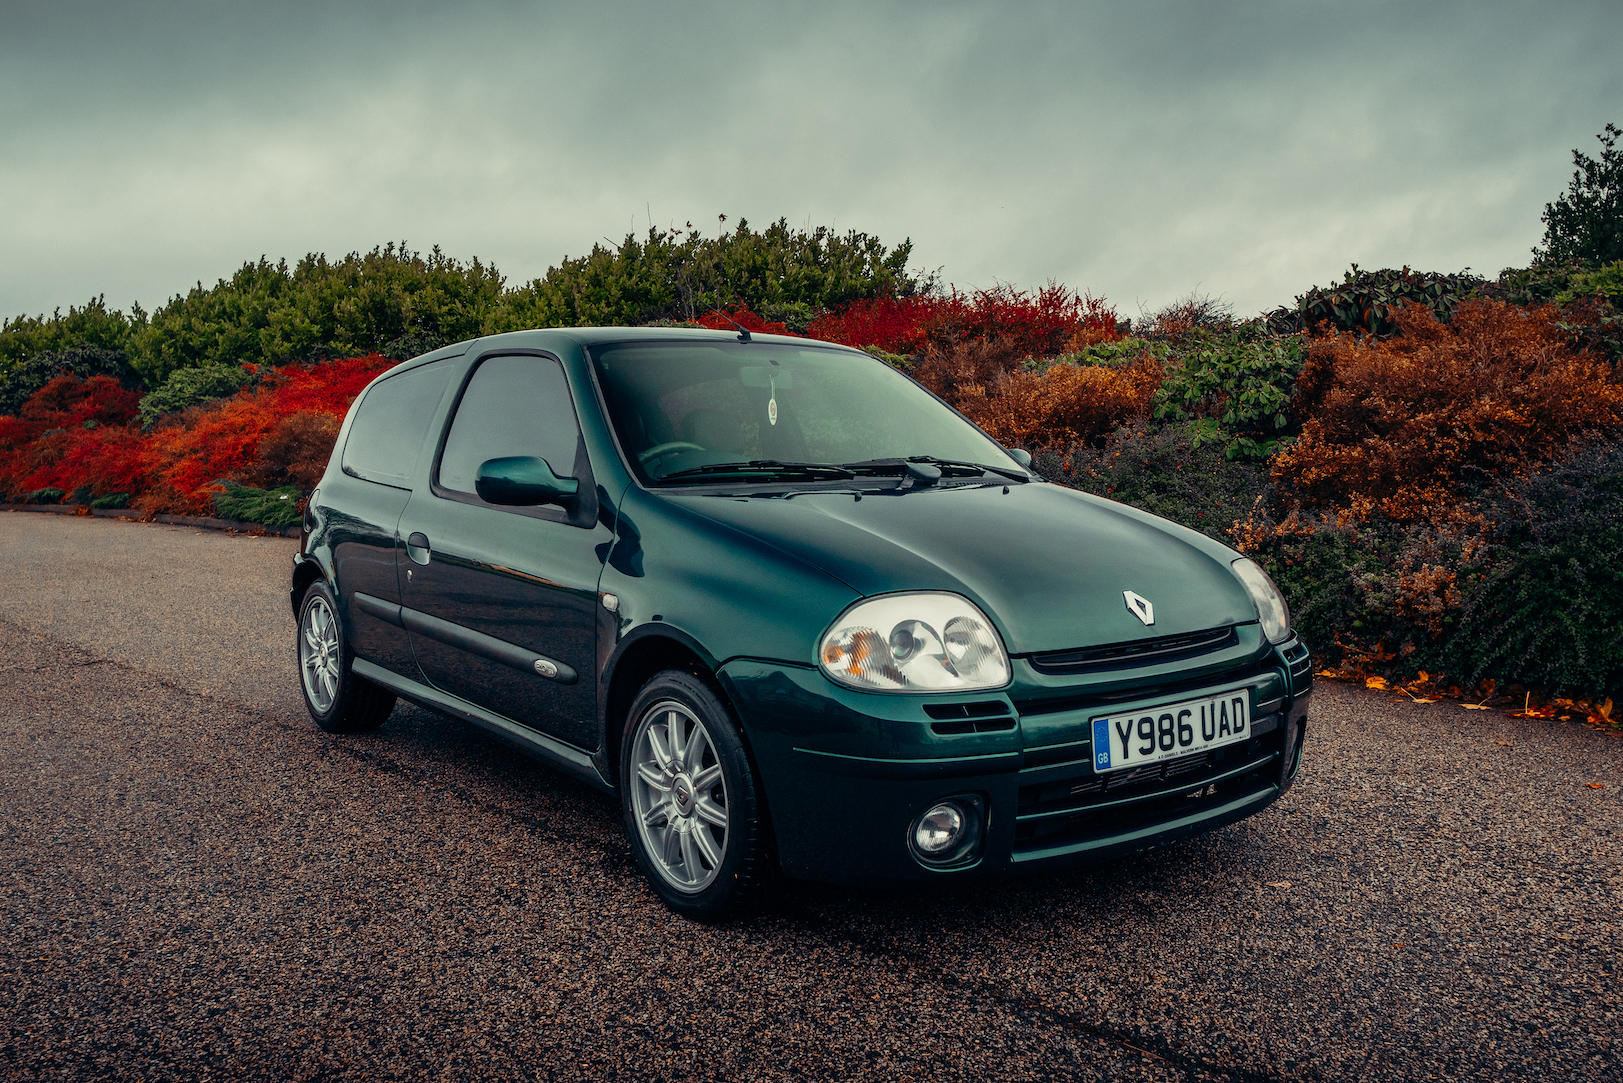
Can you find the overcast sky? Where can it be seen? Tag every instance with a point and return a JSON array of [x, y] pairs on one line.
[[1137, 150]]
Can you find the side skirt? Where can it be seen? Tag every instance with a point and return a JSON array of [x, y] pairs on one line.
[[566, 758]]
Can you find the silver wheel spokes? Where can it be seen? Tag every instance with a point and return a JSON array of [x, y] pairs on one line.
[[319, 654], [679, 796]]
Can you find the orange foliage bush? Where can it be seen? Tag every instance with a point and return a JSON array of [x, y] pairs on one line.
[[1062, 405], [1394, 425]]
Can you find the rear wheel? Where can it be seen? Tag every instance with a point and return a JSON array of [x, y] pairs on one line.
[[337, 700], [691, 802]]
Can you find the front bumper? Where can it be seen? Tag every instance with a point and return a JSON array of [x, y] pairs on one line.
[[846, 773]]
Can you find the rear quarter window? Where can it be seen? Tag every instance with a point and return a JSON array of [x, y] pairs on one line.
[[386, 437]]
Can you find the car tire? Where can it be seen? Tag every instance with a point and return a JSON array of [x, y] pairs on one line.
[[692, 804], [338, 700]]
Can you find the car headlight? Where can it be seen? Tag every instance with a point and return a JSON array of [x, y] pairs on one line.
[[925, 642], [1271, 607]]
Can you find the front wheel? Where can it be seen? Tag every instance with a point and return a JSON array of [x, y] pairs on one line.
[[691, 802], [337, 700]]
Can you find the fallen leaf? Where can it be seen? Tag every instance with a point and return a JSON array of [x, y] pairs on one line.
[[1374, 682], [1423, 699], [1424, 676], [1476, 706], [1400, 945], [1595, 785], [1507, 744]]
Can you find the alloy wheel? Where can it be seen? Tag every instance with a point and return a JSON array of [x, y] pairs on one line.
[[679, 796], [319, 654]]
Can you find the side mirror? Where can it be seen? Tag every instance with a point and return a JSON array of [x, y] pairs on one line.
[[522, 481], [1021, 456]]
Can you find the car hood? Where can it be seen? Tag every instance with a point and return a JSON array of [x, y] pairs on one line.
[[1048, 564]]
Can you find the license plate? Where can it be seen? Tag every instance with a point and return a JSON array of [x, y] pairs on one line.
[[1168, 732]]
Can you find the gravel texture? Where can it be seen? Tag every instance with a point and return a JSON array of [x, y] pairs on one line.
[[195, 883]]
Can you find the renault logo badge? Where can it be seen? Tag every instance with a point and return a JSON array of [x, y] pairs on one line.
[[1140, 607]]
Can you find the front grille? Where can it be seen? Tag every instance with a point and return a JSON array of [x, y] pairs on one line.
[[1137, 652], [1300, 660], [1081, 805]]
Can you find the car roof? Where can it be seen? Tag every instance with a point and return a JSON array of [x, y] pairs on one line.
[[593, 336]]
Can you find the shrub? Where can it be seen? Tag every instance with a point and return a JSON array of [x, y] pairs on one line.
[[1369, 302], [190, 386], [1166, 470], [1063, 405], [1585, 223], [44, 496], [297, 449], [244, 504], [93, 326], [30, 375], [1238, 383], [680, 274], [1187, 314], [112, 501], [1398, 425], [1544, 602], [1040, 324], [741, 316], [271, 314]]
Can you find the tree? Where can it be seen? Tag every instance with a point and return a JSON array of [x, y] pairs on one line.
[[1585, 225]]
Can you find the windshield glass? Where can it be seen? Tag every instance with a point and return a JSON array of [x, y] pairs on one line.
[[678, 406]]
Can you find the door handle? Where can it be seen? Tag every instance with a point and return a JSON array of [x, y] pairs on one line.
[[417, 547]]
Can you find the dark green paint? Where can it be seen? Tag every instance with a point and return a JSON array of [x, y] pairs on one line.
[[747, 580]]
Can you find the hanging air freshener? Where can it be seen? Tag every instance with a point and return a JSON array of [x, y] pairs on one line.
[[772, 403]]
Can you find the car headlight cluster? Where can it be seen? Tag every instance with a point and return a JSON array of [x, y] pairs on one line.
[[1271, 607], [924, 642]]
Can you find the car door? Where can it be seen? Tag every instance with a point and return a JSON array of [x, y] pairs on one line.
[[501, 602], [380, 461]]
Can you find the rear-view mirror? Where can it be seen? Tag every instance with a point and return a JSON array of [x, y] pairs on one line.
[[523, 481]]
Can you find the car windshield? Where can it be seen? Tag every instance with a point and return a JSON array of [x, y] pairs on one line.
[[687, 410]]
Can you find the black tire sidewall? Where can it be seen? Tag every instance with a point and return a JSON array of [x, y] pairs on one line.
[[742, 866]]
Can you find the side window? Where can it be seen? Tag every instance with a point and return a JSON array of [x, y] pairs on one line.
[[512, 406], [389, 426]]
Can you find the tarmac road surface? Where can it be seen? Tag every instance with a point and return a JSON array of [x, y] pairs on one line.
[[196, 883]]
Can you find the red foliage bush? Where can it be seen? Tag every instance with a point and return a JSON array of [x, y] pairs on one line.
[[296, 451], [746, 319], [1040, 324], [1394, 425], [273, 431]]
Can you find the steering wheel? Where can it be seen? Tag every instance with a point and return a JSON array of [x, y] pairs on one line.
[[659, 451]]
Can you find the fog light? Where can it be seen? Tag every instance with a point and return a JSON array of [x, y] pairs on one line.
[[948, 832], [939, 829]]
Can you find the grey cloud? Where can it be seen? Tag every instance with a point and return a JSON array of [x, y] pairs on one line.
[[1139, 151]]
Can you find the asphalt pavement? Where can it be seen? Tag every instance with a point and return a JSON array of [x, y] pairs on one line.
[[196, 883]]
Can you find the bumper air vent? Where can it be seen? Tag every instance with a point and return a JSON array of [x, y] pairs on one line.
[[1138, 652], [1079, 805], [986, 716], [1300, 660]]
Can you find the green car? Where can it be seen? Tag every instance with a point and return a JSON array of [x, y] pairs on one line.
[[798, 613]]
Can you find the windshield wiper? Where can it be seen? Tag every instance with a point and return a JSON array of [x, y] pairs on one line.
[[898, 467], [763, 468]]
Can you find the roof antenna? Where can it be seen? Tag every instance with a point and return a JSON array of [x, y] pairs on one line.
[[743, 335]]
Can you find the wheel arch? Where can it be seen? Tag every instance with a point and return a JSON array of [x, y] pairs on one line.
[[634, 664], [305, 572]]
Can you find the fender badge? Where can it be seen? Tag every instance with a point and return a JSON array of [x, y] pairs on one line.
[[1140, 607]]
